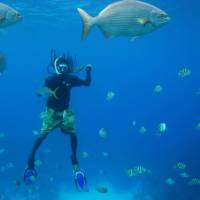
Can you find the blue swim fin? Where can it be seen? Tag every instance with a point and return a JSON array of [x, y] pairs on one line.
[[30, 176], [80, 180]]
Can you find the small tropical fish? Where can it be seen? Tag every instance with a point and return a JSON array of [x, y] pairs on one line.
[[161, 129], [8, 16], [140, 169], [158, 89], [184, 175], [103, 133], [169, 181], [110, 95], [180, 165], [142, 130], [137, 170], [184, 72], [128, 18], [47, 91], [131, 172], [84, 154], [194, 182], [102, 189], [38, 163], [2, 63]]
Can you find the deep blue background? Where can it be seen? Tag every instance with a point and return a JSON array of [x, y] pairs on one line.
[[131, 70]]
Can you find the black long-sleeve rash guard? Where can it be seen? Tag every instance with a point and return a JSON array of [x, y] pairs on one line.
[[62, 84]]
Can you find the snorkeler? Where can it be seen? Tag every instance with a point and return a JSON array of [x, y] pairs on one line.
[[58, 113]]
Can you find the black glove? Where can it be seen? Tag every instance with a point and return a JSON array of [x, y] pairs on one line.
[[88, 68]]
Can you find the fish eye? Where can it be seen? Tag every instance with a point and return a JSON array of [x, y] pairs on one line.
[[17, 14], [163, 15]]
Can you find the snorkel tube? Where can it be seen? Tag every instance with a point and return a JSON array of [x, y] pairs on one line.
[[52, 59]]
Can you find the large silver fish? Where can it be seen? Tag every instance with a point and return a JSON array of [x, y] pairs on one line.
[[8, 16], [130, 18]]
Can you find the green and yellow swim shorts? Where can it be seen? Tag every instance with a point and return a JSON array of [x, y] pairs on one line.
[[64, 120]]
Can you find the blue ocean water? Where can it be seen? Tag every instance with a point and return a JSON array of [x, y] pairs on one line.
[[129, 69]]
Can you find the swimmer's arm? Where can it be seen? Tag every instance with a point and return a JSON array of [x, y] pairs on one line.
[[80, 82]]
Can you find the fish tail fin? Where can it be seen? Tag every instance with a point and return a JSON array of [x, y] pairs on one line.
[[87, 22]]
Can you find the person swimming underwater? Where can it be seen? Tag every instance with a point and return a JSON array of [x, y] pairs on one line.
[[58, 113]]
